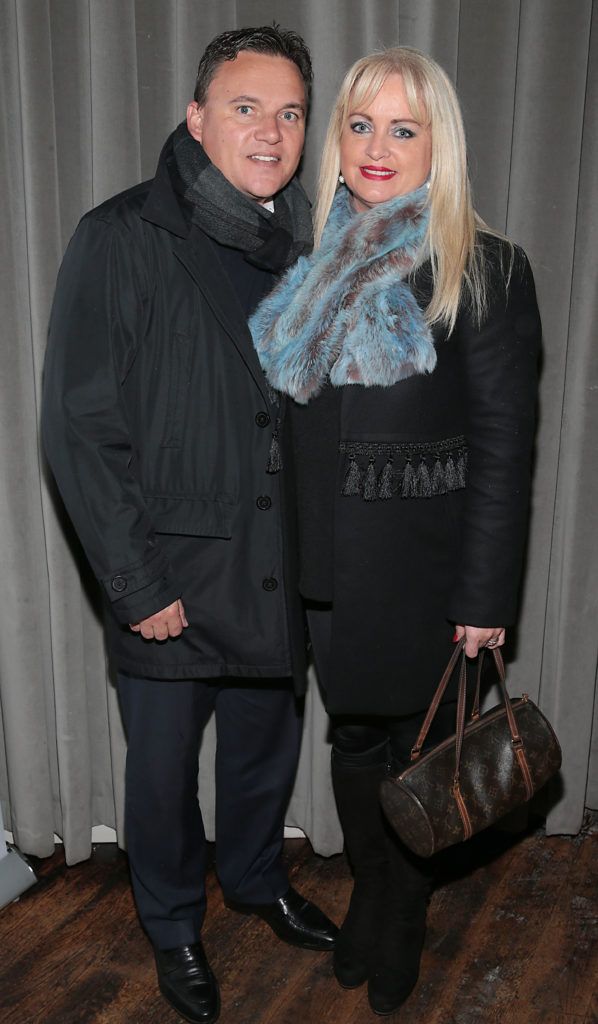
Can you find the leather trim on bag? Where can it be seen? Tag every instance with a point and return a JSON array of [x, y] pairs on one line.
[[467, 829]]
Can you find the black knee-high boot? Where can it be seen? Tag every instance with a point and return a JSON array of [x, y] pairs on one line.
[[403, 923], [402, 928], [356, 781]]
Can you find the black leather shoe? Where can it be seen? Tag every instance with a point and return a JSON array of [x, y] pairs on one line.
[[187, 983], [295, 920]]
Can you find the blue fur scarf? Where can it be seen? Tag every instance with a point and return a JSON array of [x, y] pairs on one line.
[[346, 312]]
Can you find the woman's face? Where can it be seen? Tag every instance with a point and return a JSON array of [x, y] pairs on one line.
[[384, 151]]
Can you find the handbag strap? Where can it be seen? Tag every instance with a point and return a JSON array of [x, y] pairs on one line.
[[475, 708], [436, 699], [516, 739]]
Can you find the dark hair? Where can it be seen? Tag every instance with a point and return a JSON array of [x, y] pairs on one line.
[[268, 39]]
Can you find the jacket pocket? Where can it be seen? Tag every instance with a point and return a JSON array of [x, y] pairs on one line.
[[178, 391], [198, 517]]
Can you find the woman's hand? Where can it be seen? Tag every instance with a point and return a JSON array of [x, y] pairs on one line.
[[476, 637]]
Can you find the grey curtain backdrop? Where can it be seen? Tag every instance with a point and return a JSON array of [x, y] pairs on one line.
[[89, 90]]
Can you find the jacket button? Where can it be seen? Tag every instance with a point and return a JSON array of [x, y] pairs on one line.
[[264, 502], [119, 584], [269, 583], [262, 419]]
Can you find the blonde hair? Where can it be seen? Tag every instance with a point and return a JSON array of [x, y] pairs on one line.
[[451, 240]]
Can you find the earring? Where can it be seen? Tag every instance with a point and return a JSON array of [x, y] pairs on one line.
[[341, 180]]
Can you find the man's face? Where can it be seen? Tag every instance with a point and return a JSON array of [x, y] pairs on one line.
[[252, 124]]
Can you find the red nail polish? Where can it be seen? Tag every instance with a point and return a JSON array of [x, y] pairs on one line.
[[455, 638]]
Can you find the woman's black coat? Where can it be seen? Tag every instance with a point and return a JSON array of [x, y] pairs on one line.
[[157, 424], [406, 569]]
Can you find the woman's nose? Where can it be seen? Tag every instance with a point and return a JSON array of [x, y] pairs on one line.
[[377, 147]]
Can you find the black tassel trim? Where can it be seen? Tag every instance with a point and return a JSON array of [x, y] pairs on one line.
[[352, 485], [462, 468], [370, 484], [438, 482], [387, 482], [448, 473], [274, 464], [408, 488], [423, 484]]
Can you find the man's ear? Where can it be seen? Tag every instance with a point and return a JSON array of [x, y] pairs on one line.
[[195, 120]]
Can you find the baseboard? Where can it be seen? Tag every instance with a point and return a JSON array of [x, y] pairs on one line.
[[105, 834]]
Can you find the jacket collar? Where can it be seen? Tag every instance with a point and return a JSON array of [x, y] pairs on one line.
[[167, 209], [163, 206], [199, 255]]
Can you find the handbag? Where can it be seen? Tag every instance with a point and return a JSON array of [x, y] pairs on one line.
[[491, 765]]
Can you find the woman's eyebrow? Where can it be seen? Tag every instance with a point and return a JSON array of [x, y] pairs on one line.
[[395, 120]]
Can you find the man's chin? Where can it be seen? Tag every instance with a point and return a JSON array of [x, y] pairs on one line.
[[263, 191]]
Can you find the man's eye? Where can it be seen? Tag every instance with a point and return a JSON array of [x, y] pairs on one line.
[[360, 127], [290, 115], [244, 109]]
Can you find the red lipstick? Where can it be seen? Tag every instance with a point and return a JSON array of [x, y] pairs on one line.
[[373, 173]]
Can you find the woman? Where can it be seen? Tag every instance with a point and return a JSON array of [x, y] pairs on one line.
[[409, 342]]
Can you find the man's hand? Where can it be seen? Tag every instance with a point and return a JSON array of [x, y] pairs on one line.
[[169, 622], [476, 637]]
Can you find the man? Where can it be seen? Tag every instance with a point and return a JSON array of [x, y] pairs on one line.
[[163, 438]]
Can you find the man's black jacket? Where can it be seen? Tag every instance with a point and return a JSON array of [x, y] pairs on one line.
[[157, 425]]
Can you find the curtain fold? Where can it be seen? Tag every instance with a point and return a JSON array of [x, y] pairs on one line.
[[89, 89], [27, 240], [570, 649]]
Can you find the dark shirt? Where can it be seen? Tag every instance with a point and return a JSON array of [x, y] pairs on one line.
[[250, 283]]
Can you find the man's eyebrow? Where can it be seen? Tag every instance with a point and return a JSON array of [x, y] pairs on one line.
[[283, 106]]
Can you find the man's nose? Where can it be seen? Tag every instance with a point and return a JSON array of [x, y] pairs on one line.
[[268, 130]]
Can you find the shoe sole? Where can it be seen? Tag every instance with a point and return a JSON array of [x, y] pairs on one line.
[[356, 984], [395, 1007], [302, 945]]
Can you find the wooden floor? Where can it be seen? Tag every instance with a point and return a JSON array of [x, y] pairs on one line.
[[513, 939]]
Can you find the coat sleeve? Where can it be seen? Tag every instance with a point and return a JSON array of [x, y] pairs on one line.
[[94, 330], [500, 360]]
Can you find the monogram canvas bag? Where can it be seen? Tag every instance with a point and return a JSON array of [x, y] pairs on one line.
[[493, 763]]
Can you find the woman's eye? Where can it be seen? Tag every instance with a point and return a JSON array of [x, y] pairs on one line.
[[360, 127], [403, 133]]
